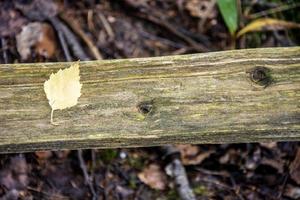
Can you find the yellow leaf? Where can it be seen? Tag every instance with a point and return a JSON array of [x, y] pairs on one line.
[[63, 88], [267, 24], [154, 177]]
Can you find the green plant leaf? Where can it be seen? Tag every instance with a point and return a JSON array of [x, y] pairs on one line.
[[228, 9]]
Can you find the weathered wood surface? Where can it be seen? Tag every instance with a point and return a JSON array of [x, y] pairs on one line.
[[232, 96]]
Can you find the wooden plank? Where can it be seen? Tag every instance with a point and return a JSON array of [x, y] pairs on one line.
[[232, 96]]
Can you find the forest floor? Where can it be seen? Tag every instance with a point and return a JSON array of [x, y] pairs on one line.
[[51, 31]]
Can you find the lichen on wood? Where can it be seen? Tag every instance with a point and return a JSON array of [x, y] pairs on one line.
[[247, 95]]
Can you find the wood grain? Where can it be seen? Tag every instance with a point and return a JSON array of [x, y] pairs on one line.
[[223, 97]]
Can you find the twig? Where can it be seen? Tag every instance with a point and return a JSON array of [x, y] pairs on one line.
[[77, 29], [273, 10], [106, 25], [158, 18], [218, 184], [212, 173], [93, 155], [176, 170], [4, 46], [197, 37], [51, 196], [197, 46], [64, 46], [162, 40], [236, 188], [286, 176], [86, 175], [70, 38], [178, 173], [182, 50], [90, 20]]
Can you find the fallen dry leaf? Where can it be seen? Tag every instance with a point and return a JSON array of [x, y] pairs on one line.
[[11, 21], [295, 168], [43, 155], [268, 145], [46, 46], [205, 11], [292, 192], [231, 156], [154, 177], [38, 10], [38, 37], [267, 24], [62, 154], [124, 192], [191, 154], [202, 9], [63, 88], [187, 149], [14, 175], [275, 163]]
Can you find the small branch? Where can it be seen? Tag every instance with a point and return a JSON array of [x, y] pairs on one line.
[[106, 26], [90, 20], [70, 38], [48, 195], [158, 18], [64, 46], [273, 10], [77, 29], [4, 47], [93, 167], [176, 170], [197, 46], [86, 175]]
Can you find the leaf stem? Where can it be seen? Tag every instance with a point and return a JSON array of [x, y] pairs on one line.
[[51, 119]]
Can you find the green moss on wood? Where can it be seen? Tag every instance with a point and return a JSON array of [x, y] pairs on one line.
[[199, 98]]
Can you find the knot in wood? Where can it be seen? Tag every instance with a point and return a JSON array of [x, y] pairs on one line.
[[261, 76], [145, 107]]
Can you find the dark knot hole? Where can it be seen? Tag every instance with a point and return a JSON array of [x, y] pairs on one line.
[[261, 76], [145, 107]]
